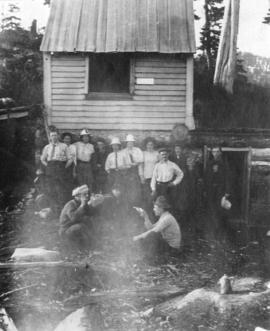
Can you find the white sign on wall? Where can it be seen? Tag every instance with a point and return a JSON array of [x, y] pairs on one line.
[[145, 81]]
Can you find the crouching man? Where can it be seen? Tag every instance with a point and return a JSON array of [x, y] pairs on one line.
[[164, 236], [76, 228]]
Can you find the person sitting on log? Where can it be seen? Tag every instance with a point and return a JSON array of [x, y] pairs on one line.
[[76, 227], [164, 236]]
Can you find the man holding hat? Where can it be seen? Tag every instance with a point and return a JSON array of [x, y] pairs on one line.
[[85, 159], [134, 160], [162, 236], [115, 164], [75, 225], [166, 176]]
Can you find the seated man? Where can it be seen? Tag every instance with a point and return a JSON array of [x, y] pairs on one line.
[[162, 236], [75, 223]]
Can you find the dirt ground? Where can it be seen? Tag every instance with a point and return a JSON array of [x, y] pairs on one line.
[[41, 297]]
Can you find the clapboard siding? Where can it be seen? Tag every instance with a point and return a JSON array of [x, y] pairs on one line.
[[152, 107]]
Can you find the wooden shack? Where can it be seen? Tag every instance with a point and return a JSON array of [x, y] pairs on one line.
[[119, 64]]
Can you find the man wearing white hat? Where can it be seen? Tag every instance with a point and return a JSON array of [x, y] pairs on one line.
[[115, 164], [134, 160], [75, 224], [85, 159]]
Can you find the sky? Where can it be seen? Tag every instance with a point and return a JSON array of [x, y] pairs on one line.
[[253, 36]]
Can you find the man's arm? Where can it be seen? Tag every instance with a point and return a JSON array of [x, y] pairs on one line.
[[69, 157], [44, 156], [178, 173], [154, 179], [108, 163], [76, 213], [157, 227]]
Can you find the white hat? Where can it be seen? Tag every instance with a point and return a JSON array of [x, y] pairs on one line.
[[130, 137], [80, 190], [84, 132], [115, 140]]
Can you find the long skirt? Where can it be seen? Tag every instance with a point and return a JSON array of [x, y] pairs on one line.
[[133, 187], [85, 174], [55, 174]]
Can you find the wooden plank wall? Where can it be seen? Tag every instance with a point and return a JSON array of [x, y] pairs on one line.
[[152, 107]]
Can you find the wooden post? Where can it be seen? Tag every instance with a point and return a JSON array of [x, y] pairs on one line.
[[247, 202], [47, 85], [189, 121], [86, 79]]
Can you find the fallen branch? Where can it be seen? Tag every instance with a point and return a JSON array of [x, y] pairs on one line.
[[42, 264], [104, 269], [3, 295], [154, 292]]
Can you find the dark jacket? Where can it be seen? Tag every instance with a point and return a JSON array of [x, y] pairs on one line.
[[73, 213]]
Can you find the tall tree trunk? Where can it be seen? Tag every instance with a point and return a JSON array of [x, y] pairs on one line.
[[207, 36]]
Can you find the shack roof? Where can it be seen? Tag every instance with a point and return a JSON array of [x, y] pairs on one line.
[[164, 26]]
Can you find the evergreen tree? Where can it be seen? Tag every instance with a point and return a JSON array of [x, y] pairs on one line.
[[267, 18], [20, 60], [213, 12]]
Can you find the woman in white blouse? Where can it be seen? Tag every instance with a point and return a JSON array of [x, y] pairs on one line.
[[150, 159]]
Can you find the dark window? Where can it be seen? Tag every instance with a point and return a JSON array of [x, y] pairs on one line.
[[109, 73]]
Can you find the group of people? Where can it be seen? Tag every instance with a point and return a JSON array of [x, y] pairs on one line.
[[152, 183]]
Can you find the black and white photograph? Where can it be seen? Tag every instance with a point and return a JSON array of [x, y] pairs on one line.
[[134, 165]]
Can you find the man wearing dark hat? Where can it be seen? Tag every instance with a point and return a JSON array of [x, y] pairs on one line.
[[166, 176], [162, 236]]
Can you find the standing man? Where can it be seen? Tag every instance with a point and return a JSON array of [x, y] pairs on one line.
[[182, 192], [115, 165], [133, 178], [56, 159], [100, 173], [76, 227], [166, 176], [85, 160]]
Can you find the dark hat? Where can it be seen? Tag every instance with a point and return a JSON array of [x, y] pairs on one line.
[[178, 143], [162, 202], [64, 134]]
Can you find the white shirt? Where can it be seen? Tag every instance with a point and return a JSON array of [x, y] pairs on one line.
[[133, 155], [165, 172], [115, 160], [149, 161], [169, 229], [72, 152], [55, 152], [84, 151]]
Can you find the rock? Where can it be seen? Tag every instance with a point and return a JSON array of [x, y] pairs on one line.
[[260, 329], [35, 255], [221, 312], [87, 318]]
